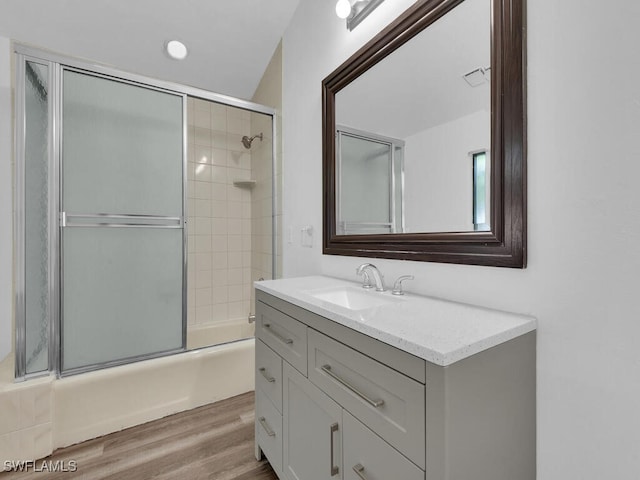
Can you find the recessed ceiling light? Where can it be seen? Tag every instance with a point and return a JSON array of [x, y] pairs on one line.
[[176, 49]]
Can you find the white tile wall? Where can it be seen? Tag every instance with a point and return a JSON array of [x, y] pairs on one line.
[[219, 218], [261, 201]]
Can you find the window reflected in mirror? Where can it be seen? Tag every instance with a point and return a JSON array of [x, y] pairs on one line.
[[480, 191]]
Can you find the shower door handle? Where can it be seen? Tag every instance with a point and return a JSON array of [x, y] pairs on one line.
[[108, 220]]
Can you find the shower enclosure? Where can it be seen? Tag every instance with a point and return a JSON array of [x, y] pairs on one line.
[[141, 215]]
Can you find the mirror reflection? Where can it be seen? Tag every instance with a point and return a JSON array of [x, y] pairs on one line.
[[369, 167], [413, 133]]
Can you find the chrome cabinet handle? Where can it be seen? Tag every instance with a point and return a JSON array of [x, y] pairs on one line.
[[266, 427], [359, 469], [264, 373], [284, 340], [374, 403], [334, 469]]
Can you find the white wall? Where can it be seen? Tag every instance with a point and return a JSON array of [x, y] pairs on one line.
[[6, 202], [584, 217], [438, 176]]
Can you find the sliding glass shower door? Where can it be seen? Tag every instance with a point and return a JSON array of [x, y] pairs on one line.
[[122, 221]]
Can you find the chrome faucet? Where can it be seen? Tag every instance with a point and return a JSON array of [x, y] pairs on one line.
[[370, 270]]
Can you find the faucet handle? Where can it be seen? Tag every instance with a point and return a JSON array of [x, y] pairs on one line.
[[397, 287]]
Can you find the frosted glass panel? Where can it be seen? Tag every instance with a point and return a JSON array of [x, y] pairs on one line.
[[122, 293], [122, 156], [36, 195], [120, 145]]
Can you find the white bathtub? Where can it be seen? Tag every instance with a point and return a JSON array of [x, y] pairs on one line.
[[61, 412]]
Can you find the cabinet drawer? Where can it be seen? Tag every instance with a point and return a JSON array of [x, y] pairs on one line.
[[367, 456], [284, 334], [389, 403], [269, 374], [269, 430]]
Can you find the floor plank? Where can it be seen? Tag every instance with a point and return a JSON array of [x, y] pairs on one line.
[[214, 442]]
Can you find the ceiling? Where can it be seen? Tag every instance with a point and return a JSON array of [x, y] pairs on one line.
[[230, 42]]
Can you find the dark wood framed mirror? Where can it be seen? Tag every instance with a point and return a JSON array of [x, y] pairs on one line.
[[498, 241]]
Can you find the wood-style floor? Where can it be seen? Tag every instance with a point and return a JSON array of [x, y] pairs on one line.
[[212, 442]]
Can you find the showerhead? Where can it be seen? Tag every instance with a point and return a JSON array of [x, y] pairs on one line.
[[246, 141]]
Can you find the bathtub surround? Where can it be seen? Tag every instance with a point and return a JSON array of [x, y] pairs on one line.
[[219, 225], [261, 200]]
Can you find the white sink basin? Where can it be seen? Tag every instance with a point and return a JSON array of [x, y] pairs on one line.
[[353, 298]]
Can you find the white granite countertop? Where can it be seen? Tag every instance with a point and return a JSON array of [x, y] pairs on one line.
[[439, 331]]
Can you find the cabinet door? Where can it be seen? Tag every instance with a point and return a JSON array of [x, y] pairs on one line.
[[312, 430]]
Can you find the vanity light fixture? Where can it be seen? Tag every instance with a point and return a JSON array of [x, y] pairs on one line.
[[355, 11], [176, 49], [343, 8]]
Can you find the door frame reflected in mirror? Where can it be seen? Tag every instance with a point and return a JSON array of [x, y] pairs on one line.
[[504, 245]]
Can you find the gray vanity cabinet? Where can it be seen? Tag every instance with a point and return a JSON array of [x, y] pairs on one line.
[[335, 404]]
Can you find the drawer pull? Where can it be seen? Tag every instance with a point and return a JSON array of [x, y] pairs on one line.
[[264, 373], [359, 469], [374, 403], [334, 469], [287, 341], [266, 427]]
